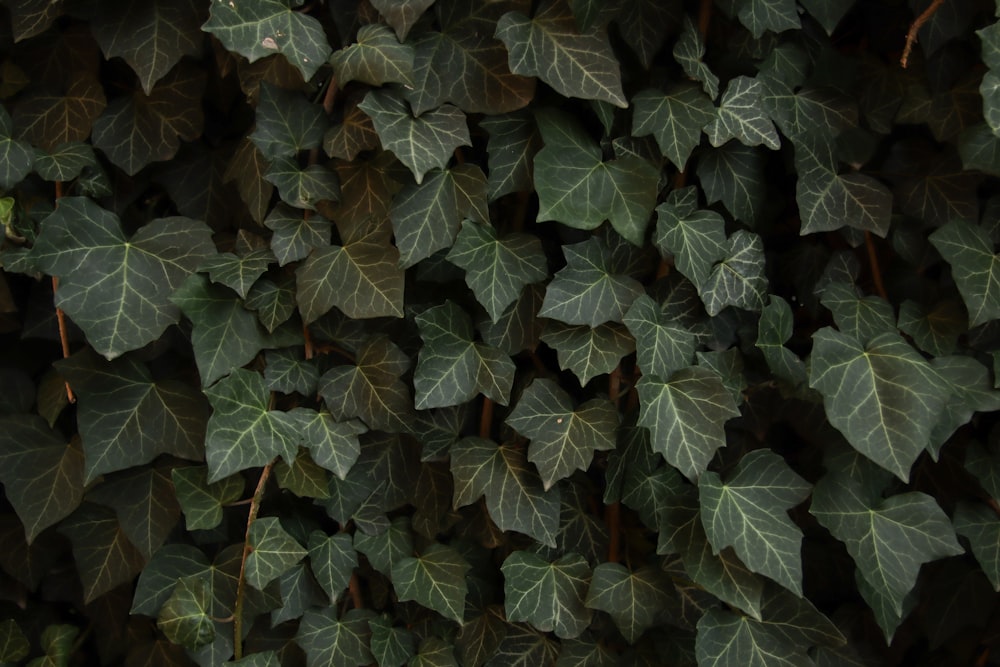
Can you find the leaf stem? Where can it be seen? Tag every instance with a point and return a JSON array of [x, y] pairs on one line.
[[258, 495], [486, 418], [354, 588], [704, 18], [918, 23], [60, 315], [873, 262]]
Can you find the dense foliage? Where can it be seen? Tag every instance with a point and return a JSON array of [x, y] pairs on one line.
[[573, 332]]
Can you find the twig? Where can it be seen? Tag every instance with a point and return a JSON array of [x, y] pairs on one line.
[[354, 588], [704, 18], [258, 495], [486, 419], [873, 262], [60, 315], [918, 23]]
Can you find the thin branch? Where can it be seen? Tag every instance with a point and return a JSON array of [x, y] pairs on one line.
[[354, 588], [704, 18], [258, 495], [873, 262], [486, 419], [60, 315], [918, 23]]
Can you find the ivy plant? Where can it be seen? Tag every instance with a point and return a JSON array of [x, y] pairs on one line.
[[447, 332]]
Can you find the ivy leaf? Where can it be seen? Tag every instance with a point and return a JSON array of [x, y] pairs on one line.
[[14, 646], [150, 36], [773, 331], [354, 134], [118, 289], [295, 235], [974, 266], [389, 547], [218, 315], [674, 118], [420, 143], [797, 621], [363, 279], [390, 645], [978, 524], [65, 162], [550, 47], [237, 273], [726, 639], [259, 29], [588, 290], [401, 14], [686, 413], [246, 168], [435, 579], [512, 145], [272, 552], [741, 116], [144, 502], [332, 559], [586, 351], [16, 156], [689, 51], [303, 187], [696, 239], [747, 512], [760, 16], [578, 188], [127, 419], [57, 641], [426, 217], [497, 269], [881, 396], [168, 566], [451, 367], [201, 501], [889, 539], [515, 497], [242, 432], [935, 328], [42, 474], [549, 595], [632, 599], [734, 175], [286, 122], [185, 618], [663, 343], [465, 64], [375, 58], [563, 439], [104, 556], [328, 641], [859, 317], [288, 371], [138, 129], [333, 444], [827, 13], [738, 279]]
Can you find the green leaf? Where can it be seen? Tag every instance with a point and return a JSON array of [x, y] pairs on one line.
[[889, 539], [391, 646], [138, 129], [578, 188], [589, 290], [859, 317], [353, 135], [57, 641], [738, 279], [741, 116], [295, 234], [389, 547], [168, 566], [726, 639], [881, 395], [748, 513], [465, 64], [934, 328], [362, 278], [689, 51], [974, 267], [32, 17], [201, 501], [760, 16], [663, 343], [14, 646], [631, 598], [549, 595], [304, 478], [421, 143], [451, 367], [185, 617], [332, 444], [970, 390], [286, 122], [272, 552], [42, 474], [332, 559], [288, 371], [303, 187], [328, 641], [775, 328], [401, 14], [145, 504], [586, 351], [827, 12], [426, 217], [563, 439], [246, 168], [435, 579], [695, 238], [150, 36], [218, 315], [118, 289], [797, 621], [674, 118], [258, 29], [512, 145], [515, 496], [550, 47], [242, 432], [375, 58], [978, 147], [237, 273], [979, 524], [64, 162], [686, 413], [734, 175], [104, 556], [497, 269], [16, 157]]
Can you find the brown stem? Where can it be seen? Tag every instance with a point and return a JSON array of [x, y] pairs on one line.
[[612, 517], [486, 419], [330, 96], [308, 342], [873, 262], [918, 23], [354, 588], [459, 156], [704, 18], [615, 384], [60, 315], [258, 495], [994, 505]]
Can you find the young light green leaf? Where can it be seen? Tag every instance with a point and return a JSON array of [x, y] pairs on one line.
[[497, 269], [434, 579], [689, 51], [118, 289], [451, 367], [420, 143], [974, 266], [674, 118], [328, 641], [242, 432], [42, 474], [979, 524], [272, 552], [286, 122], [426, 217], [726, 639], [512, 145], [515, 497], [201, 501], [550, 47], [578, 188], [375, 58], [696, 239], [882, 396], [104, 556], [748, 513], [563, 439], [734, 175], [741, 116], [549, 595], [186, 617], [264, 27], [587, 351], [738, 279], [631, 598], [588, 290]]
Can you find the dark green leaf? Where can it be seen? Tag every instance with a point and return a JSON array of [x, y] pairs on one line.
[[104, 556], [763, 15], [117, 289], [168, 566], [512, 145], [979, 524], [304, 478], [401, 14], [295, 234], [728, 640], [827, 12], [328, 641], [354, 134], [689, 51], [862, 318], [375, 58], [65, 162], [587, 351], [57, 641], [272, 552], [935, 328], [391, 646], [32, 17], [774, 329], [733, 174], [201, 501], [631, 598], [145, 503], [675, 118], [974, 266], [303, 187], [695, 238], [741, 116], [14, 646], [663, 343], [286, 122], [246, 168], [237, 273], [549, 595], [970, 390], [16, 157], [738, 279], [434, 579], [387, 548], [185, 618], [288, 371], [332, 559], [796, 620]]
